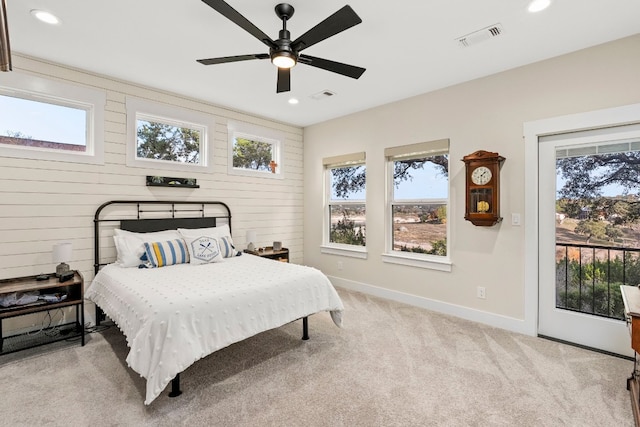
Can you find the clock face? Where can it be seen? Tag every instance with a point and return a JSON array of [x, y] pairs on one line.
[[481, 175]]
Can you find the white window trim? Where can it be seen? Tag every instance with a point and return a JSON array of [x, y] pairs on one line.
[[256, 133], [432, 262], [351, 251], [354, 251], [44, 90], [173, 115]]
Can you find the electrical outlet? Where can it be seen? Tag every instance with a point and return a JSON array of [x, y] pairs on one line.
[[340, 265], [482, 292]]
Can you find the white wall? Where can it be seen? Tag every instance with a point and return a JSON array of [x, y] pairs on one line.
[[43, 202], [487, 114]]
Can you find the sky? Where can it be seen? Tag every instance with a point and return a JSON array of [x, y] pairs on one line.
[[610, 190], [426, 183], [42, 121]]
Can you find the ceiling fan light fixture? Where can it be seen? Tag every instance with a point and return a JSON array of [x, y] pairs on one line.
[[283, 59], [46, 17], [538, 5]]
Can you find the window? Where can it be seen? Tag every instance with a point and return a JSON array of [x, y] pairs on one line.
[[255, 151], [167, 137], [418, 198], [48, 120], [345, 216]]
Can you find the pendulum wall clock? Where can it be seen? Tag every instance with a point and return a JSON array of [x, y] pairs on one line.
[[482, 187]]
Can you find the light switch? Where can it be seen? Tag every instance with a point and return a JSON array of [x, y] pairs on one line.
[[515, 219]]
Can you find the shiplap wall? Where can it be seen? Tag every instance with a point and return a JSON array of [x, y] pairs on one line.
[[44, 202]]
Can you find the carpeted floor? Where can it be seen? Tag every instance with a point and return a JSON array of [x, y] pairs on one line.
[[391, 365]]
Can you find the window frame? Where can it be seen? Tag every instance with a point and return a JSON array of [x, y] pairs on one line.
[[408, 152], [48, 91], [140, 109], [327, 247], [256, 133]]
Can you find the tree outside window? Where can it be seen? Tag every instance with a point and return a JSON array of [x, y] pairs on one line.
[[347, 208], [162, 141], [253, 154]]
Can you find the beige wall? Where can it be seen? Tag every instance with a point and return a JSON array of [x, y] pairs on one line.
[[43, 202], [487, 114]]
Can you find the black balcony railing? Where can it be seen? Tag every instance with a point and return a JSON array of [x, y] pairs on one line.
[[588, 278]]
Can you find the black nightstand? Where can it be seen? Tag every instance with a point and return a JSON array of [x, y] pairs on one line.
[[268, 252]]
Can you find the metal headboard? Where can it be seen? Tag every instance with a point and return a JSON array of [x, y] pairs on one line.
[[157, 215]]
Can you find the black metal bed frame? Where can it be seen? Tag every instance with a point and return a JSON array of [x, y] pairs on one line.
[[171, 222]]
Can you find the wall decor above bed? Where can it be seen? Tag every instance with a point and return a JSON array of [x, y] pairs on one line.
[[175, 313], [165, 181]]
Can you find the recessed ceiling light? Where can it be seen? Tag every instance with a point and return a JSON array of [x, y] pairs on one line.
[[293, 101], [45, 16], [538, 5]]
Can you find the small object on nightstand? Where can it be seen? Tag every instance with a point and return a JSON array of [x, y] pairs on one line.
[[62, 254], [277, 246], [66, 276], [252, 236], [270, 253], [41, 277]]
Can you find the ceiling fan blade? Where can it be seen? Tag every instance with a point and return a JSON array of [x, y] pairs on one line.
[[284, 80], [341, 20], [236, 58], [335, 67], [234, 16]]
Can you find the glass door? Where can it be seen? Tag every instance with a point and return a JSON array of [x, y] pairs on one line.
[[589, 241]]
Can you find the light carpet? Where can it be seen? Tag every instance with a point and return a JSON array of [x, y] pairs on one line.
[[391, 365]]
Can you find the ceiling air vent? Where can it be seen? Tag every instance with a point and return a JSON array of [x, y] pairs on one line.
[[480, 35], [322, 95]]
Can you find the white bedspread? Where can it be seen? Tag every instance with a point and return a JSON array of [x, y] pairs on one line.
[[173, 316]]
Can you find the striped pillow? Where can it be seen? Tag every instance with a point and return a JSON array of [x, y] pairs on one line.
[[226, 247], [170, 252]]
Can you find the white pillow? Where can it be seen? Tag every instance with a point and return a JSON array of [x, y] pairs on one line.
[[220, 231], [130, 245]]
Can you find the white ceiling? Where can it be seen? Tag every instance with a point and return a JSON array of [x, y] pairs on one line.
[[407, 46]]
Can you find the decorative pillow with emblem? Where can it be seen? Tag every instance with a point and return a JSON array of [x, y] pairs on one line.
[[222, 234], [203, 250]]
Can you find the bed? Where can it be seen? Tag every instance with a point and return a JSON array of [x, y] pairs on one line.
[[174, 315]]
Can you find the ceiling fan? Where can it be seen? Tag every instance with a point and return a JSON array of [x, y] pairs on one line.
[[285, 53]]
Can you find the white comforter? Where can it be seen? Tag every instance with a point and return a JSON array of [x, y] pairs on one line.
[[173, 316]]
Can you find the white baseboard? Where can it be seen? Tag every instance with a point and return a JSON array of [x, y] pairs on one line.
[[491, 319]]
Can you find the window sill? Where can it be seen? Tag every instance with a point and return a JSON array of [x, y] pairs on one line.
[[345, 250], [255, 173], [421, 262]]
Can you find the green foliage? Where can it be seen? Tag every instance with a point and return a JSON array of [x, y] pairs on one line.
[[570, 207], [598, 230], [346, 232], [439, 247], [594, 286], [160, 141], [591, 229], [415, 249], [249, 154]]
